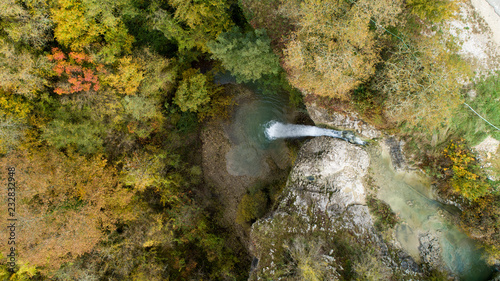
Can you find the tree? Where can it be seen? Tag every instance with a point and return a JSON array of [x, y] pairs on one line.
[[84, 23], [21, 72], [26, 22], [248, 56], [193, 23], [194, 91], [251, 207], [128, 77], [142, 115], [333, 49], [159, 74], [265, 14], [11, 133], [78, 71], [433, 10], [74, 128], [421, 83], [65, 204]]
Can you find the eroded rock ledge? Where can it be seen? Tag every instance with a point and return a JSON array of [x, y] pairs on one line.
[[322, 225]]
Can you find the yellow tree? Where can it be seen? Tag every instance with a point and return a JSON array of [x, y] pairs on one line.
[[21, 72], [84, 23], [333, 49], [26, 21], [422, 84]]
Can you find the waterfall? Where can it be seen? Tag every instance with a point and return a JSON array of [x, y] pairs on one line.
[[277, 130]]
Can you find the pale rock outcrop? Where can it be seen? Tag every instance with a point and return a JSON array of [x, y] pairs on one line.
[[342, 121], [322, 204], [328, 176]]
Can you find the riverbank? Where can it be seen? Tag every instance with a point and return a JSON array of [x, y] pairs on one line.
[[487, 12]]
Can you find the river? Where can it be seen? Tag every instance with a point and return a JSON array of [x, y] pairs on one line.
[[410, 196]]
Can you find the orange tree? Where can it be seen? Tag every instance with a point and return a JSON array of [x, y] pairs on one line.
[[65, 205]]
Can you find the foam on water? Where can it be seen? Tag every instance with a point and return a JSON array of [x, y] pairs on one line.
[[277, 130]]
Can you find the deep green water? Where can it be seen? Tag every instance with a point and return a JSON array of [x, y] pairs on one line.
[[251, 147]]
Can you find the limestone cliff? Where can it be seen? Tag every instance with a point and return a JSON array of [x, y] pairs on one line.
[[322, 229]]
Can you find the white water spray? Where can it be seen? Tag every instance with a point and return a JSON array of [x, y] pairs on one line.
[[277, 130]]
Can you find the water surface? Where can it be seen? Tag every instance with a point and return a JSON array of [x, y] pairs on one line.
[[410, 196]]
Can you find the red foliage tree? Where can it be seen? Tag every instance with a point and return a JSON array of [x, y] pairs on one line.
[[79, 69]]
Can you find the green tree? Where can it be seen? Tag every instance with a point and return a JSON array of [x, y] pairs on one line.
[[193, 23], [11, 133], [26, 21], [194, 91], [142, 115], [76, 129], [248, 56]]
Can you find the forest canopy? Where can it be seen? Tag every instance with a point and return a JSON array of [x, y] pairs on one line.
[[102, 105]]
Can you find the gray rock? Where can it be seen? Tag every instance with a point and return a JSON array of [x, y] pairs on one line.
[[345, 121], [430, 250]]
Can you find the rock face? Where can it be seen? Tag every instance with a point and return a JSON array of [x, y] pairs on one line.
[[328, 176], [322, 225], [350, 122]]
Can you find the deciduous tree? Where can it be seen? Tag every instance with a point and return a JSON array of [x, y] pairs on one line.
[[21, 72], [85, 23], [194, 23], [422, 83], [194, 91], [26, 21], [78, 72], [76, 129], [64, 205], [333, 49], [433, 10]]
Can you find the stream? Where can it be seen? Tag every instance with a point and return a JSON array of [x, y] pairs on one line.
[[410, 196]]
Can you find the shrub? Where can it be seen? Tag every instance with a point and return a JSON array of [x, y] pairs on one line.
[[433, 10], [385, 217], [466, 179], [251, 207]]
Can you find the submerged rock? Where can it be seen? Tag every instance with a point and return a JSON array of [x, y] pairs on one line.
[[430, 250]]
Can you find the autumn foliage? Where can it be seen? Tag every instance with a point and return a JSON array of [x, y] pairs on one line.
[[466, 179], [65, 205], [79, 69]]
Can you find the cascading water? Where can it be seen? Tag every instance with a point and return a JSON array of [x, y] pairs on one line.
[[277, 130]]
